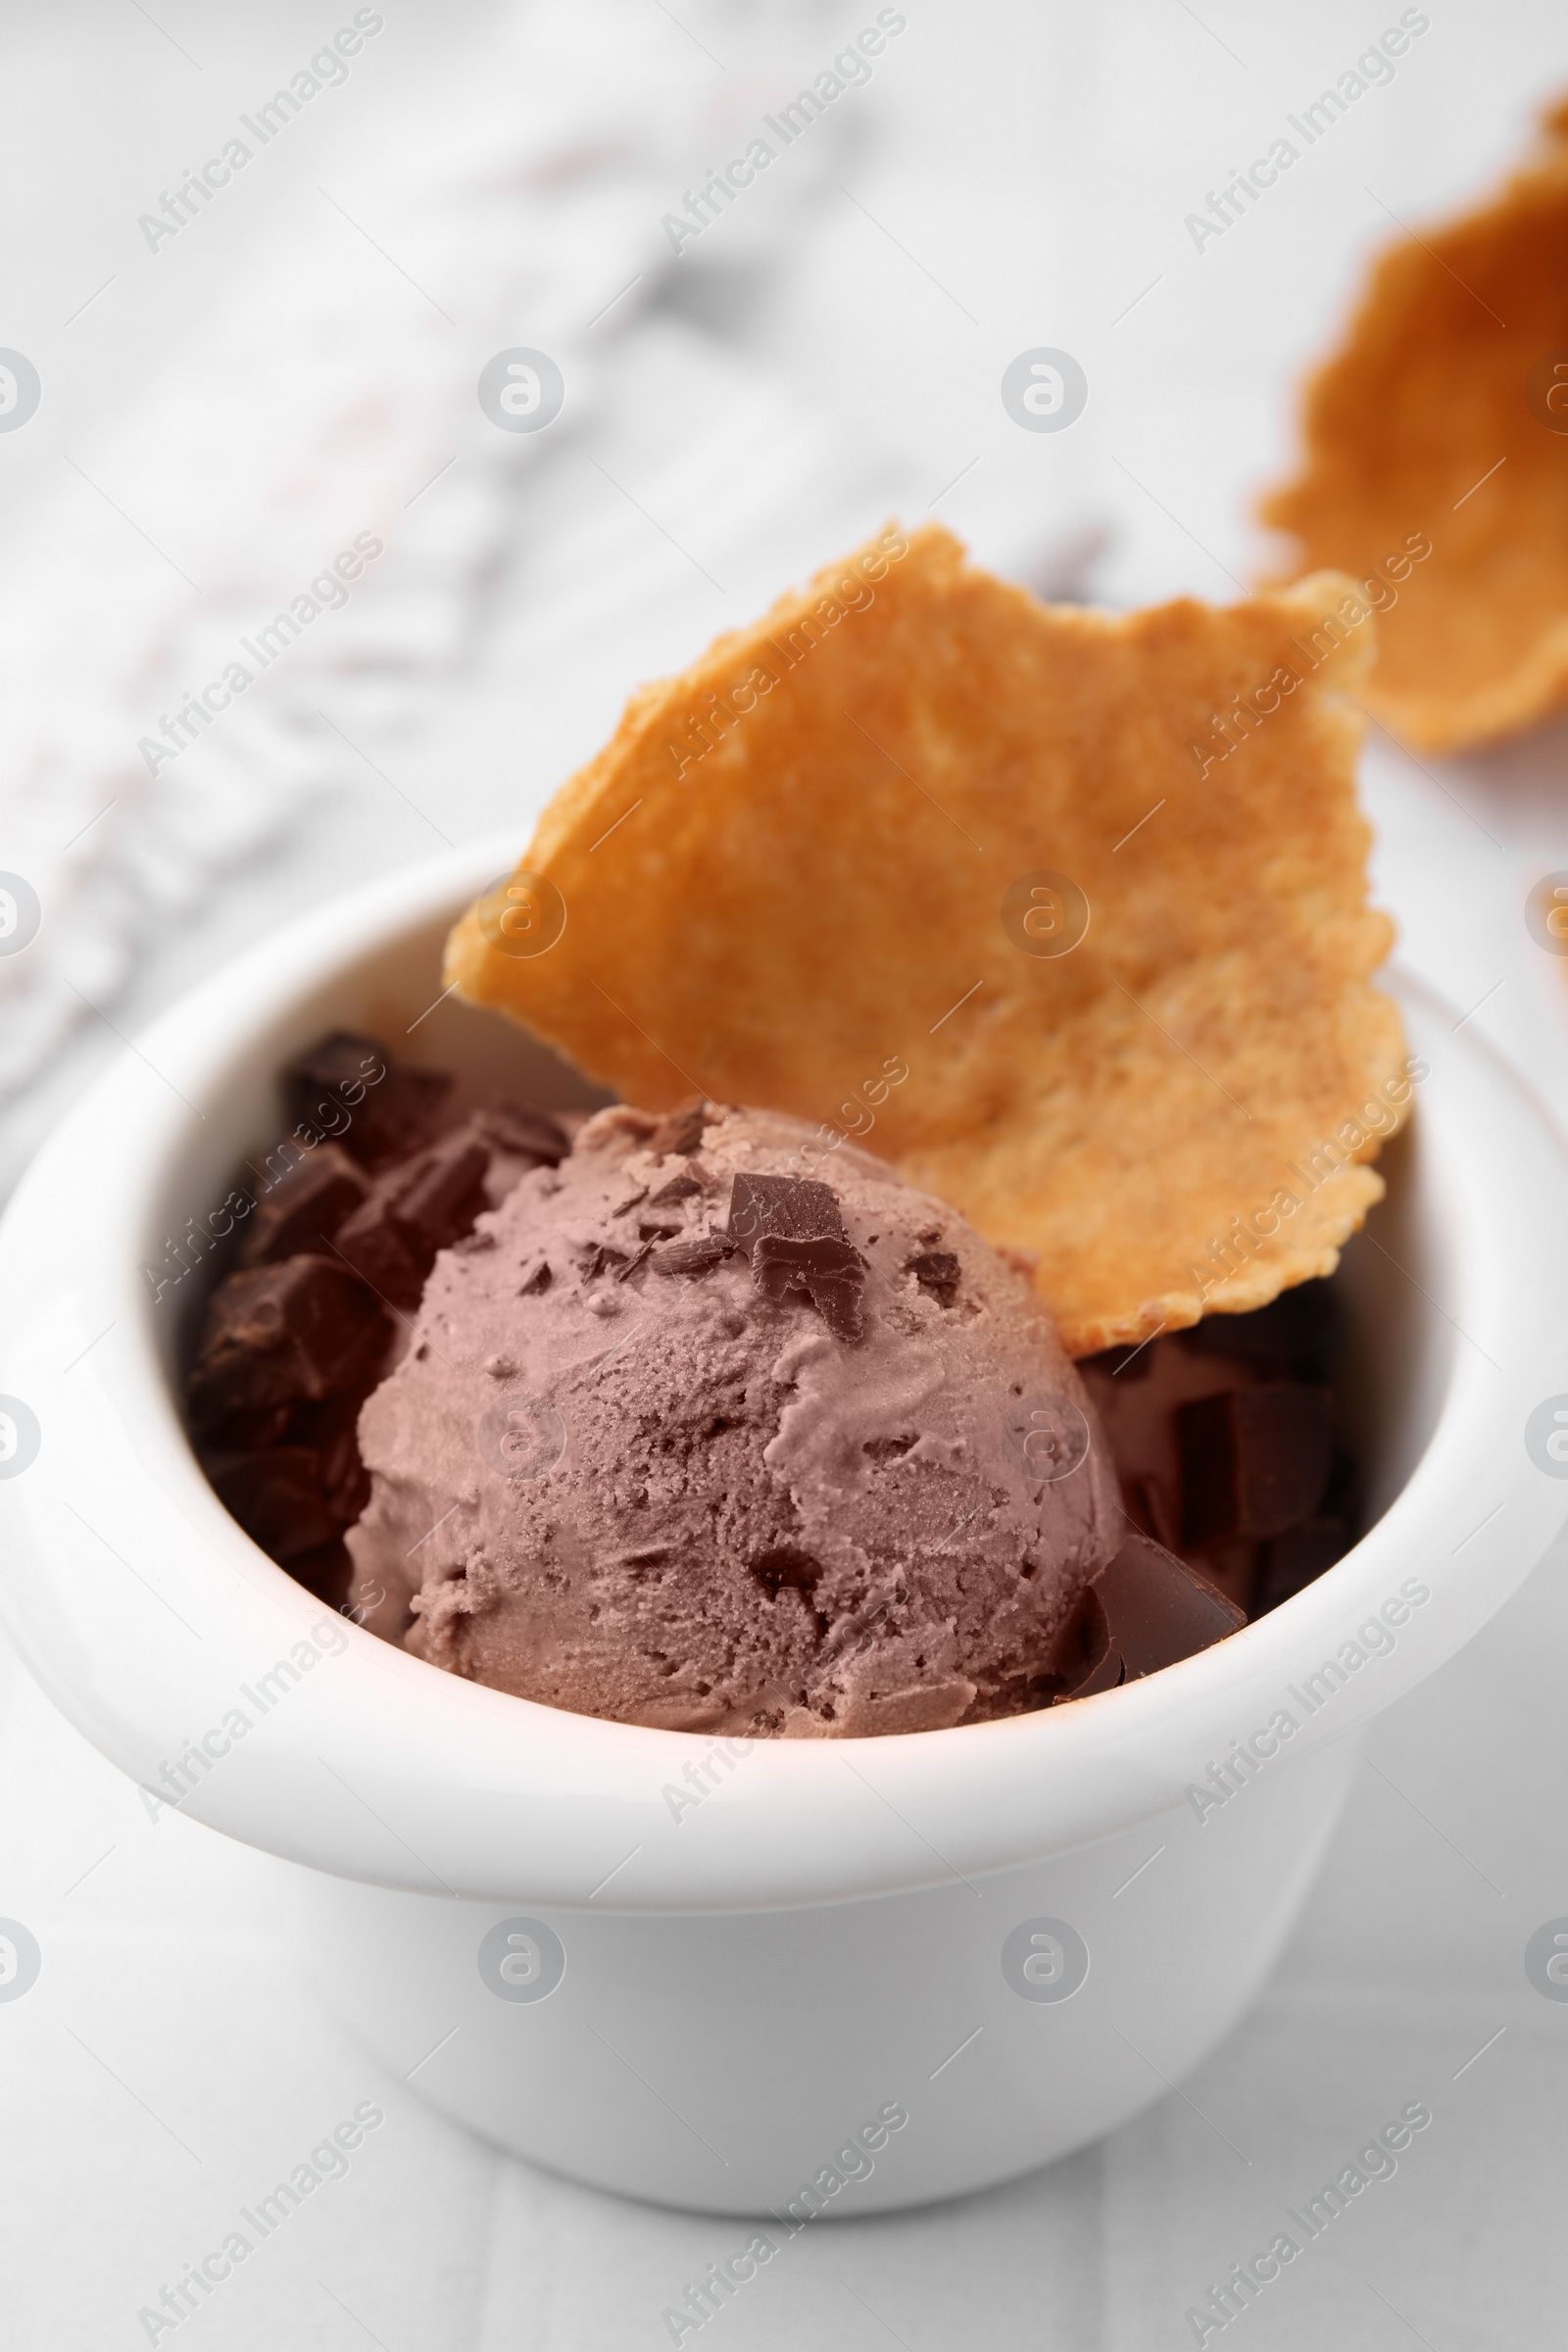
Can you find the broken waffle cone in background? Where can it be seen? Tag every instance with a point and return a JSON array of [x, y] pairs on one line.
[[1062, 913], [1436, 466]]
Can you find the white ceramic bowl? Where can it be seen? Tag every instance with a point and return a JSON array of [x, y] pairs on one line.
[[838, 1931]]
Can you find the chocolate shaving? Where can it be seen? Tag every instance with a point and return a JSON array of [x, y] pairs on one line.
[[697, 1257], [625, 1272], [792, 1230], [536, 1282], [794, 1208], [597, 1258], [679, 1188], [624, 1208], [680, 1133], [832, 1274]]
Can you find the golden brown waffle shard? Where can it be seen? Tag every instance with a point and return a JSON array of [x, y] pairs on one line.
[[1063, 912], [1435, 465]]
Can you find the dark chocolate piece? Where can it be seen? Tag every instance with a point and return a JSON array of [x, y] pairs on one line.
[[660, 1229], [278, 1334], [679, 1188], [624, 1208], [305, 1209], [1293, 1560], [1082, 1659], [436, 1198], [1157, 1609], [388, 1109], [534, 1283], [413, 1211], [1293, 1338], [937, 1273], [638, 1257], [278, 1499], [371, 1244], [1255, 1461]]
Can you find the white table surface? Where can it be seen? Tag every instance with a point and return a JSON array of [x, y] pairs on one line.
[[170, 2061]]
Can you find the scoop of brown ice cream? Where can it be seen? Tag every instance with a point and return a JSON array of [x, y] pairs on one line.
[[684, 1439]]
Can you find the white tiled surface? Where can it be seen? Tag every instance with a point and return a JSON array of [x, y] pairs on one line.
[[1038, 161]]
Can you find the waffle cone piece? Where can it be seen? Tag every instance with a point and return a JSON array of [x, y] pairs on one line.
[[1435, 465], [1062, 913]]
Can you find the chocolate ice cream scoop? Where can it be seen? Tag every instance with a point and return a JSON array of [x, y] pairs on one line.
[[685, 1438]]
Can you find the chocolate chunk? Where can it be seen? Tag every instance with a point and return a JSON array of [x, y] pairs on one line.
[[795, 1208], [624, 1208], [1293, 1338], [372, 1244], [276, 1334], [697, 1257], [1255, 1461], [681, 1131], [660, 1229], [1157, 1609], [276, 1497], [1082, 1649], [1296, 1558], [832, 1275], [534, 1283], [679, 1188], [624, 1273], [305, 1209], [786, 1565], [413, 1210], [937, 1273], [436, 1198], [329, 1573], [523, 1134], [387, 1108]]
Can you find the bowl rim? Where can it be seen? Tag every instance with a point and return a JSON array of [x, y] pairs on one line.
[[478, 1792]]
